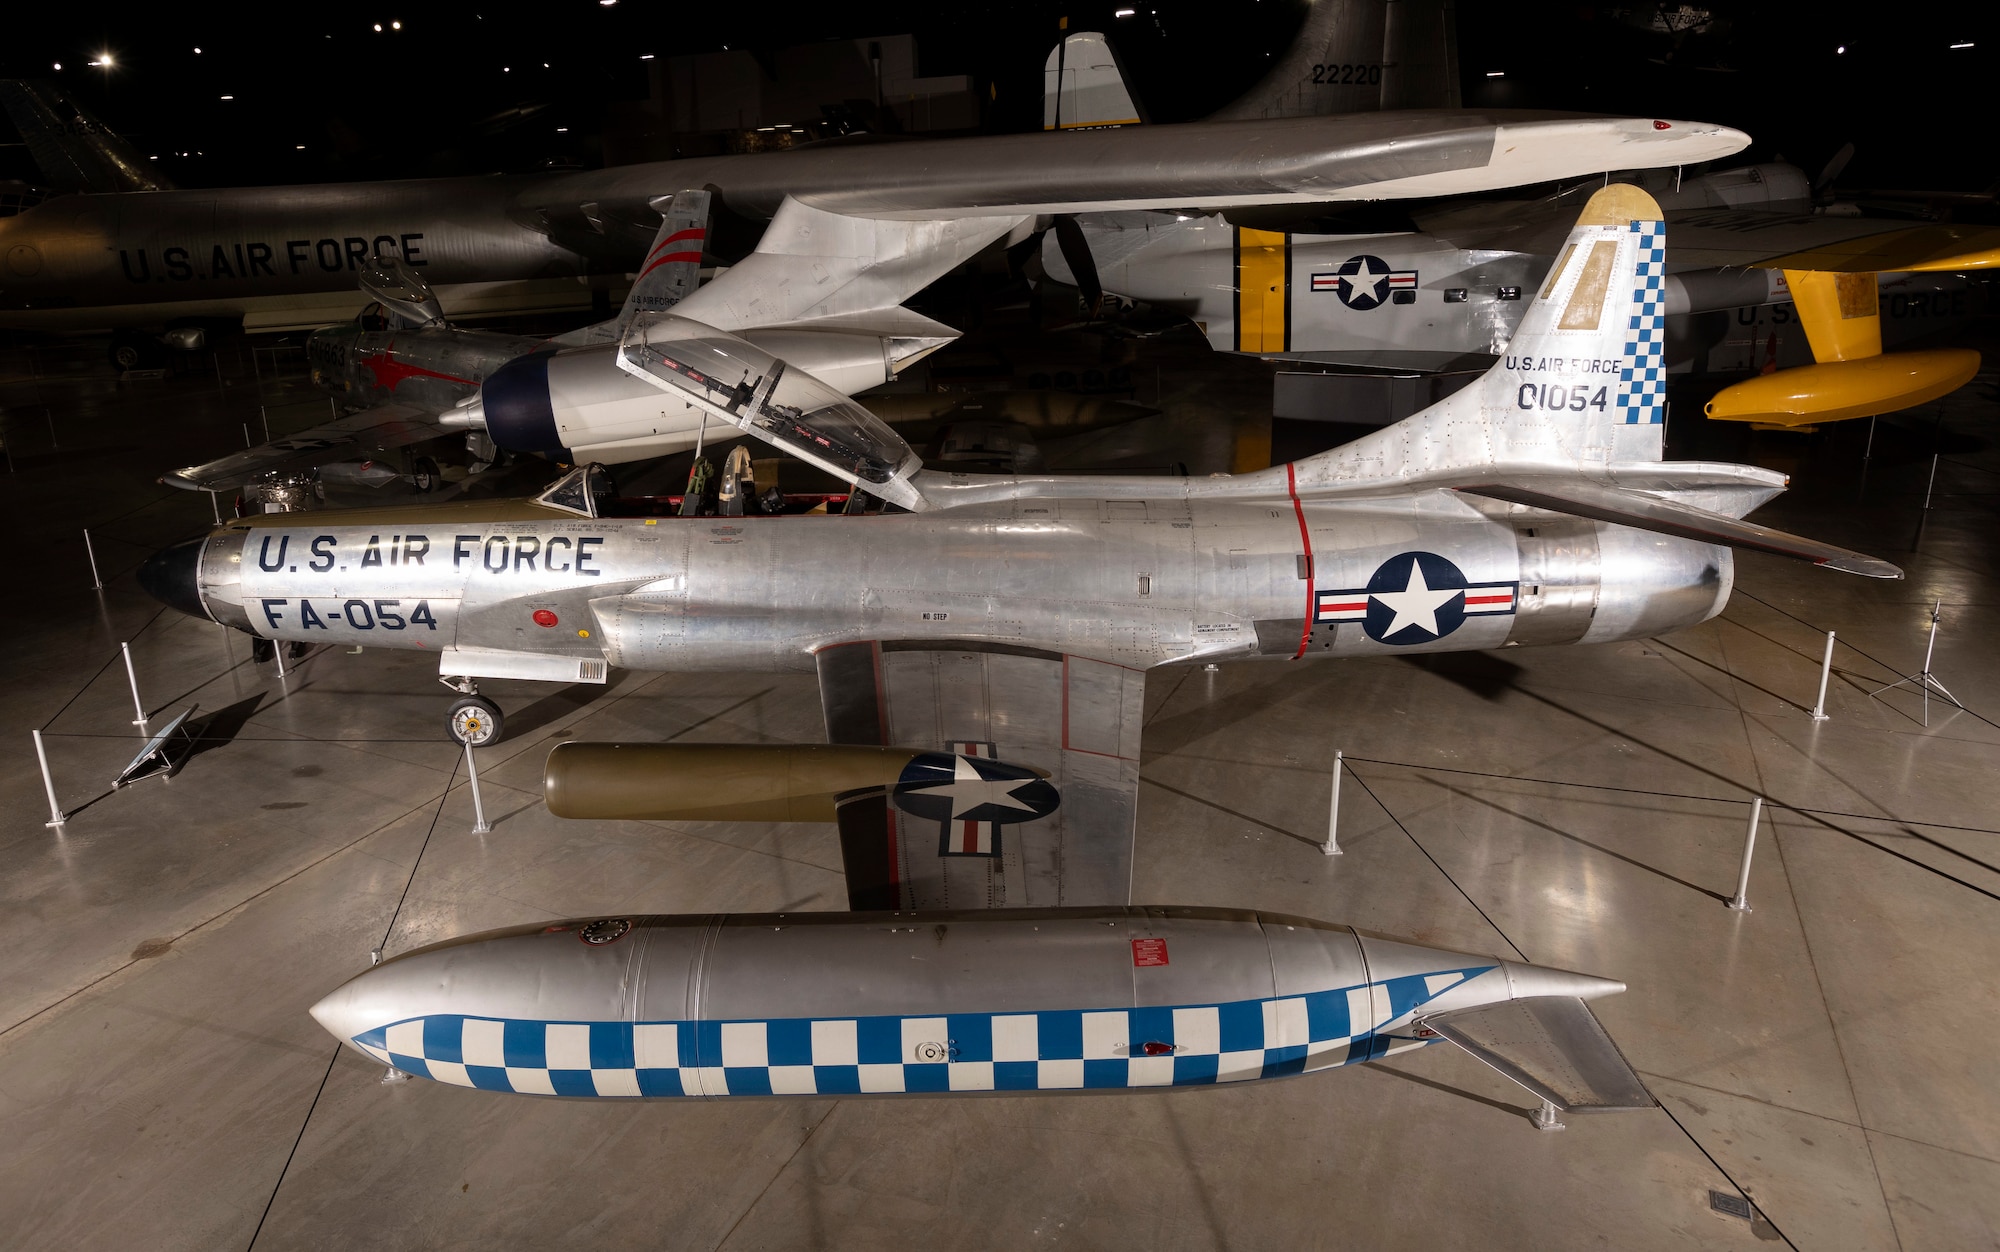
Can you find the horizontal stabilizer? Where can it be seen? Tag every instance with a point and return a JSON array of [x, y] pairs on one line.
[[1581, 498], [356, 437], [1552, 1045]]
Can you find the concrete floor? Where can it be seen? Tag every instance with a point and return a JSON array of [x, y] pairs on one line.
[[1830, 1053]]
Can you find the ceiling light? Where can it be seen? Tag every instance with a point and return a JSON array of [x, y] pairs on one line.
[[58, 64], [395, 26], [1124, 12], [105, 59], [1840, 50], [197, 51], [1496, 73], [229, 97], [1966, 44], [562, 130], [378, 28], [645, 56], [299, 148]]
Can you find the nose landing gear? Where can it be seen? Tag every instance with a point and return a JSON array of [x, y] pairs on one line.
[[473, 720]]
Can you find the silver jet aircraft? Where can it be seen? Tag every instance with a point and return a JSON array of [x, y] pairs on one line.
[[1530, 508]]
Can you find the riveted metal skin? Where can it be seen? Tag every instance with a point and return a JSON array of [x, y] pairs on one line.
[[1064, 575]]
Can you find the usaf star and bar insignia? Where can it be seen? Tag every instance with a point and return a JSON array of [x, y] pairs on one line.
[[1415, 597], [971, 796], [1366, 282]]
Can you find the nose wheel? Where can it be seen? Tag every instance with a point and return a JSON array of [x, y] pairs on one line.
[[474, 721]]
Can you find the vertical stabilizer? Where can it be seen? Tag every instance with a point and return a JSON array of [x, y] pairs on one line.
[[1420, 56], [1334, 65], [74, 150], [1583, 384], [668, 275], [1082, 86]]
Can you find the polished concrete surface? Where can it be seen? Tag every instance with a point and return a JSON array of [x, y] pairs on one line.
[[1830, 1053]]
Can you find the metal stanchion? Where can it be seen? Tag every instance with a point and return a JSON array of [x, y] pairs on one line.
[[479, 826], [90, 550], [1741, 904], [138, 706], [246, 435], [1869, 451], [1332, 845], [278, 655], [215, 508], [56, 816], [266, 415], [1825, 670]]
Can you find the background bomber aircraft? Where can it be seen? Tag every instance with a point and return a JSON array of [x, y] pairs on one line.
[[288, 257]]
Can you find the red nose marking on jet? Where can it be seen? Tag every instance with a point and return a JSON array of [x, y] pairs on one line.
[[544, 618], [389, 372], [1663, 125]]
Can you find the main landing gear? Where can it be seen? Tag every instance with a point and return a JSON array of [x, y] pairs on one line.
[[474, 720]]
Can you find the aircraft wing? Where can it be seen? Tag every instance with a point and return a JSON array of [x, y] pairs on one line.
[[1707, 238], [358, 437], [1625, 507], [1076, 718]]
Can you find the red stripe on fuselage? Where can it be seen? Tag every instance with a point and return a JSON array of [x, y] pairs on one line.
[[1305, 538]]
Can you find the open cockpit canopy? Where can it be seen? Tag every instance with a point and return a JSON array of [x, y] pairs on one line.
[[732, 379]]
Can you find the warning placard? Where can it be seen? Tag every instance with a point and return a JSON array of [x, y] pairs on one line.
[[1149, 952]]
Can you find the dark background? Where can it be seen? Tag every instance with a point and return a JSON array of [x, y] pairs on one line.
[[431, 99]]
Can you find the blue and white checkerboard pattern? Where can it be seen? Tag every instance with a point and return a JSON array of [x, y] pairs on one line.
[[1642, 391], [1071, 1049]]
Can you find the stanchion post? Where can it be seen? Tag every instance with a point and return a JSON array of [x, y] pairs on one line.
[[56, 816], [90, 550], [265, 413], [479, 826], [278, 655], [1332, 845], [1741, 903], [138, 705], [1825, 670]]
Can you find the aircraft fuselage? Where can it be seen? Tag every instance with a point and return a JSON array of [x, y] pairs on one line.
[[521, 590]]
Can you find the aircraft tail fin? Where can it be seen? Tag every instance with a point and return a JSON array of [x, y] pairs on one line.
[[1582, 384], [74, 150], [669, 273], [1552, 1045], [1357, 56], [1083, 87]]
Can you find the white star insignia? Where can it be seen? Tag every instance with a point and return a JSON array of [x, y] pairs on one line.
[[1416, 604], [969, 792]]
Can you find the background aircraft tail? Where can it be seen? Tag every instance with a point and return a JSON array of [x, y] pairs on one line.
[[1357, 56], [1082, 86], [74, 150], [668, 275]]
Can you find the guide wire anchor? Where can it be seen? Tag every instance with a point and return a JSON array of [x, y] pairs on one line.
[[1825, 670], [90, 550], [479, 824], [1741, 903], [1547, 1117], [138, 706], [56, 816], [1332, 845]]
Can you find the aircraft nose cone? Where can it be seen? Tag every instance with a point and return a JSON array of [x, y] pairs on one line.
[[340, 1015], [173, 577]]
